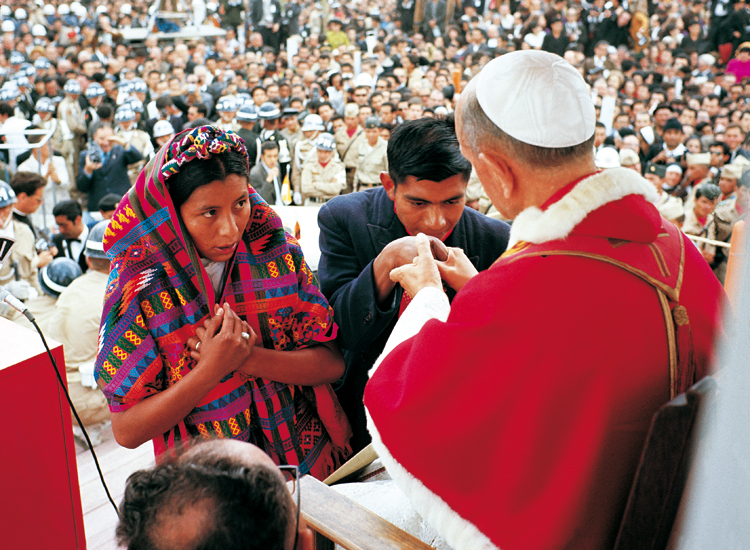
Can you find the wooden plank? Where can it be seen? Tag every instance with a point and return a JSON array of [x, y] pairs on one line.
[[354, 465], [348, 524]]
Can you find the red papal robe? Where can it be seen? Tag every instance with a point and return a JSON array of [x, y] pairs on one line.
[[518, 421]]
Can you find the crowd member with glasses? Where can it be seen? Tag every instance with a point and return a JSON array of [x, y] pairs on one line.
[[223, 494]]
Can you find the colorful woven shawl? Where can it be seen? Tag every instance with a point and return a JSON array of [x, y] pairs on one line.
[[159, 293]]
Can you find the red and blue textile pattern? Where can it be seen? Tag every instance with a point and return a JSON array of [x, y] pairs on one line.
[[159, 293]]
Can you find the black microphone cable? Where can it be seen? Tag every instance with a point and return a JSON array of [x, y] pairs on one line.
[[9, 299]]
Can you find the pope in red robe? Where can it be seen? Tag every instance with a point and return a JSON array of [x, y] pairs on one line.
[[515, 417]]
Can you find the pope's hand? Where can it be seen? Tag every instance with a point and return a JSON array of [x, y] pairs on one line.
[[457, 269], [422, 272]]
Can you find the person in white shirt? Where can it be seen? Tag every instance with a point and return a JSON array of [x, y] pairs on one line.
[[55, 171]]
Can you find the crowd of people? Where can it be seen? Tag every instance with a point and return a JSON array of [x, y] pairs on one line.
[[357, 109]]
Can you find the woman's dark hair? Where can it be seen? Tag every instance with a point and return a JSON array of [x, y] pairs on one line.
[[201, 172], [426, 148]]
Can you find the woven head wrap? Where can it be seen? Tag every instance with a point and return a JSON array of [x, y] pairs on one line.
[[200, 143]]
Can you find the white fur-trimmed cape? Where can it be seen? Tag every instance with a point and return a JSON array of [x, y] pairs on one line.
[[536, 226]]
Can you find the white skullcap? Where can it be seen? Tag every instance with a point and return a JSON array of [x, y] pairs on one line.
[[126, 9], [607, 157], [538, 98], [647, 133]]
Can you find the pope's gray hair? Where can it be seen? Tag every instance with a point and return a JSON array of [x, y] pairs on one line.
[[479, 129]]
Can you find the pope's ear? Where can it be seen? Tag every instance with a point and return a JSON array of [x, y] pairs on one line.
[[500, 173]]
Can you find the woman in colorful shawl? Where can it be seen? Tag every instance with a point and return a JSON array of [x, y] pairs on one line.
[[197, 257]]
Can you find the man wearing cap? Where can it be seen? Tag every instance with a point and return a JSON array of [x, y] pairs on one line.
[[312, 127], [696, 173], [292, 130], [348, 139], [73, 122], [664, 201], [227, 108], [725, 215], [518, 380], [670, 149], [247, 117], [323, 175], [163, 133], [630, 159], [373, 157], [268, 115], [138, 139], [75, 324], [53, 279]]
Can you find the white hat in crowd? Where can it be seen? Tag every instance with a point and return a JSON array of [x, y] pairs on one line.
[[538, 98], [607, 157], [162, 128]]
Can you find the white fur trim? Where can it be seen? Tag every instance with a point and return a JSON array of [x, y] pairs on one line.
[[429, 303], [459, 533], [534, 226]]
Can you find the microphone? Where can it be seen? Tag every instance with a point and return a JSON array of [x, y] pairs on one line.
[[7, 298]]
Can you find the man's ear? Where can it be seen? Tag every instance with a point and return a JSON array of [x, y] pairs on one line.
[[388, 185]]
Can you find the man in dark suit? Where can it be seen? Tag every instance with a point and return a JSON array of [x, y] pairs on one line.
[[71, 239], [266, 20], [434, 18], [264, 176], [110, 174], [364, 235]]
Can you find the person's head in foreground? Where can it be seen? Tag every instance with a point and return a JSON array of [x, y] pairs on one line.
[[222, 494], [545, 123], [427, 176]]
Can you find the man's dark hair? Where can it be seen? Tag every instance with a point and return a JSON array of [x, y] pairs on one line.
[[243, 507], [269, 145], [201, 108], [163, 102], [70, 209], [708, 190], [6, 110], [109, 202], [724, 147], [204, 171], [27, 182], [437, 156]]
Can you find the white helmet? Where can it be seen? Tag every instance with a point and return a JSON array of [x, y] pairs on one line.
[[38, 30], [21, 13], [162, 128], [8, 26], [63, 9]]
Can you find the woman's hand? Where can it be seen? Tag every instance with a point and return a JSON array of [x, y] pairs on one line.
[[221, 344]]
